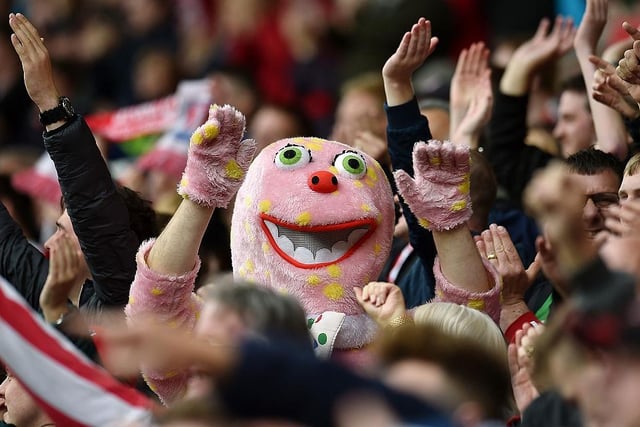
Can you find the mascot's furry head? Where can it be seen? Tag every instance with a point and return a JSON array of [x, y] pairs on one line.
[[313, 218]]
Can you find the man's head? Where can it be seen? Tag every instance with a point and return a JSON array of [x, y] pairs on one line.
[[142, 219], [360, 108], [600, 175], [574, 128], [591, 352], [21, 409], [454, 372], [234, 311]]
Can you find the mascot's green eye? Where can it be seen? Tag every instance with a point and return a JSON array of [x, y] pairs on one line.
[[350, 164], [292, 157]]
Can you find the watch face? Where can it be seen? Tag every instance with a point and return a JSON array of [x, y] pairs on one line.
[[66, 104]]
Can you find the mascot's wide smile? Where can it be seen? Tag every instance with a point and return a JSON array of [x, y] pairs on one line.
[[316, 246]]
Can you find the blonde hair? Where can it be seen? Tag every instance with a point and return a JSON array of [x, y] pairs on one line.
[[458, 320], [633, 165]]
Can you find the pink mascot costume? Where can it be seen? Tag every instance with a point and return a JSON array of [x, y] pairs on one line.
[[314, 218]]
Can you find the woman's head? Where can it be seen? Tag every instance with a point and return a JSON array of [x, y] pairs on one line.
[[458, 320]]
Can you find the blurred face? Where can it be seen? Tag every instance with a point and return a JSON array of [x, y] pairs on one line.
[[580, 381], [630, 188], [270, 125], [358, 111], [438, 122], [601, 193], [218, 325], [21, 409], [574, 129], [417, 377], [64, 227]]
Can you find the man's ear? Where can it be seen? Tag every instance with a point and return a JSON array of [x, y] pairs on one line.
[[468, 414]]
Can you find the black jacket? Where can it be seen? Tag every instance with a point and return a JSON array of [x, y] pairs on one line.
[[100, 220]]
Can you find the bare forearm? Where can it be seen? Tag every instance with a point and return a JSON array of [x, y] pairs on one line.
[[460, 261], [398, 92], [509, 313], [610, 131], [176, 249], [516, 79]]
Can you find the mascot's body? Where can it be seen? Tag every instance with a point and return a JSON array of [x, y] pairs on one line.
[[314, 218]]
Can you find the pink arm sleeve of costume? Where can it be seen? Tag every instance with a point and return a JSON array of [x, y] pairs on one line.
[[171, 300], [488, 302]]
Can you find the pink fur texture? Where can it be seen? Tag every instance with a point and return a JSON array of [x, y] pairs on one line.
[[218, 158], [280, 190], [488, 302], [170, 299], [439, 195]]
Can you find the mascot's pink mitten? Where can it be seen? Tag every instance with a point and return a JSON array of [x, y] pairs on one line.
[[439, 194], [218, 159]]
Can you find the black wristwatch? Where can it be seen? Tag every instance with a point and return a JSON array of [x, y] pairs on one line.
[[64, 111]]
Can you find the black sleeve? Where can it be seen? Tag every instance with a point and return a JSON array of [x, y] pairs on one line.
[[284, 383], [406, 126], [99, 215], [513, 161], [22, 264]]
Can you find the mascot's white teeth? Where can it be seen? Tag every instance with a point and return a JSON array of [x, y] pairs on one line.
[[313, 247]]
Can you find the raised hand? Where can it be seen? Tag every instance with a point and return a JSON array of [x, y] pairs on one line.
[[629, 67], [520, 365], [546, 45], [495, 245], [624, 219], [218, 158], [439, 194], [36, 64], [382, 301], [592, 25], [477, 114], [415, 47], [472, 71], [610, 90], [543, 47], [64, 269]]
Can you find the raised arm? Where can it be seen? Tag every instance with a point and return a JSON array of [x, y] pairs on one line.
[[167, 267], [512, 160], [98, 213], [471, 96], [610, 131], [405, 123], [439, 196]]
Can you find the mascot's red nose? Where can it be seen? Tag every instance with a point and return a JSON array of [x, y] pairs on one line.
[[323, 182]]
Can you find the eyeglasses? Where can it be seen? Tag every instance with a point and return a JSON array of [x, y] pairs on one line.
[[603, 200]]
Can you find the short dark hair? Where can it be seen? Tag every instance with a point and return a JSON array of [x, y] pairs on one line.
[[592, 161], [142, 217]]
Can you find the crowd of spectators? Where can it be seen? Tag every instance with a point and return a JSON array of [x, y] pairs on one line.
[[319, 212]]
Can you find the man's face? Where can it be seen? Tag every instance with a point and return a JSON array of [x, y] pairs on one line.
[[574, 129], [21, 409], [601, 191], [64, 227]]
